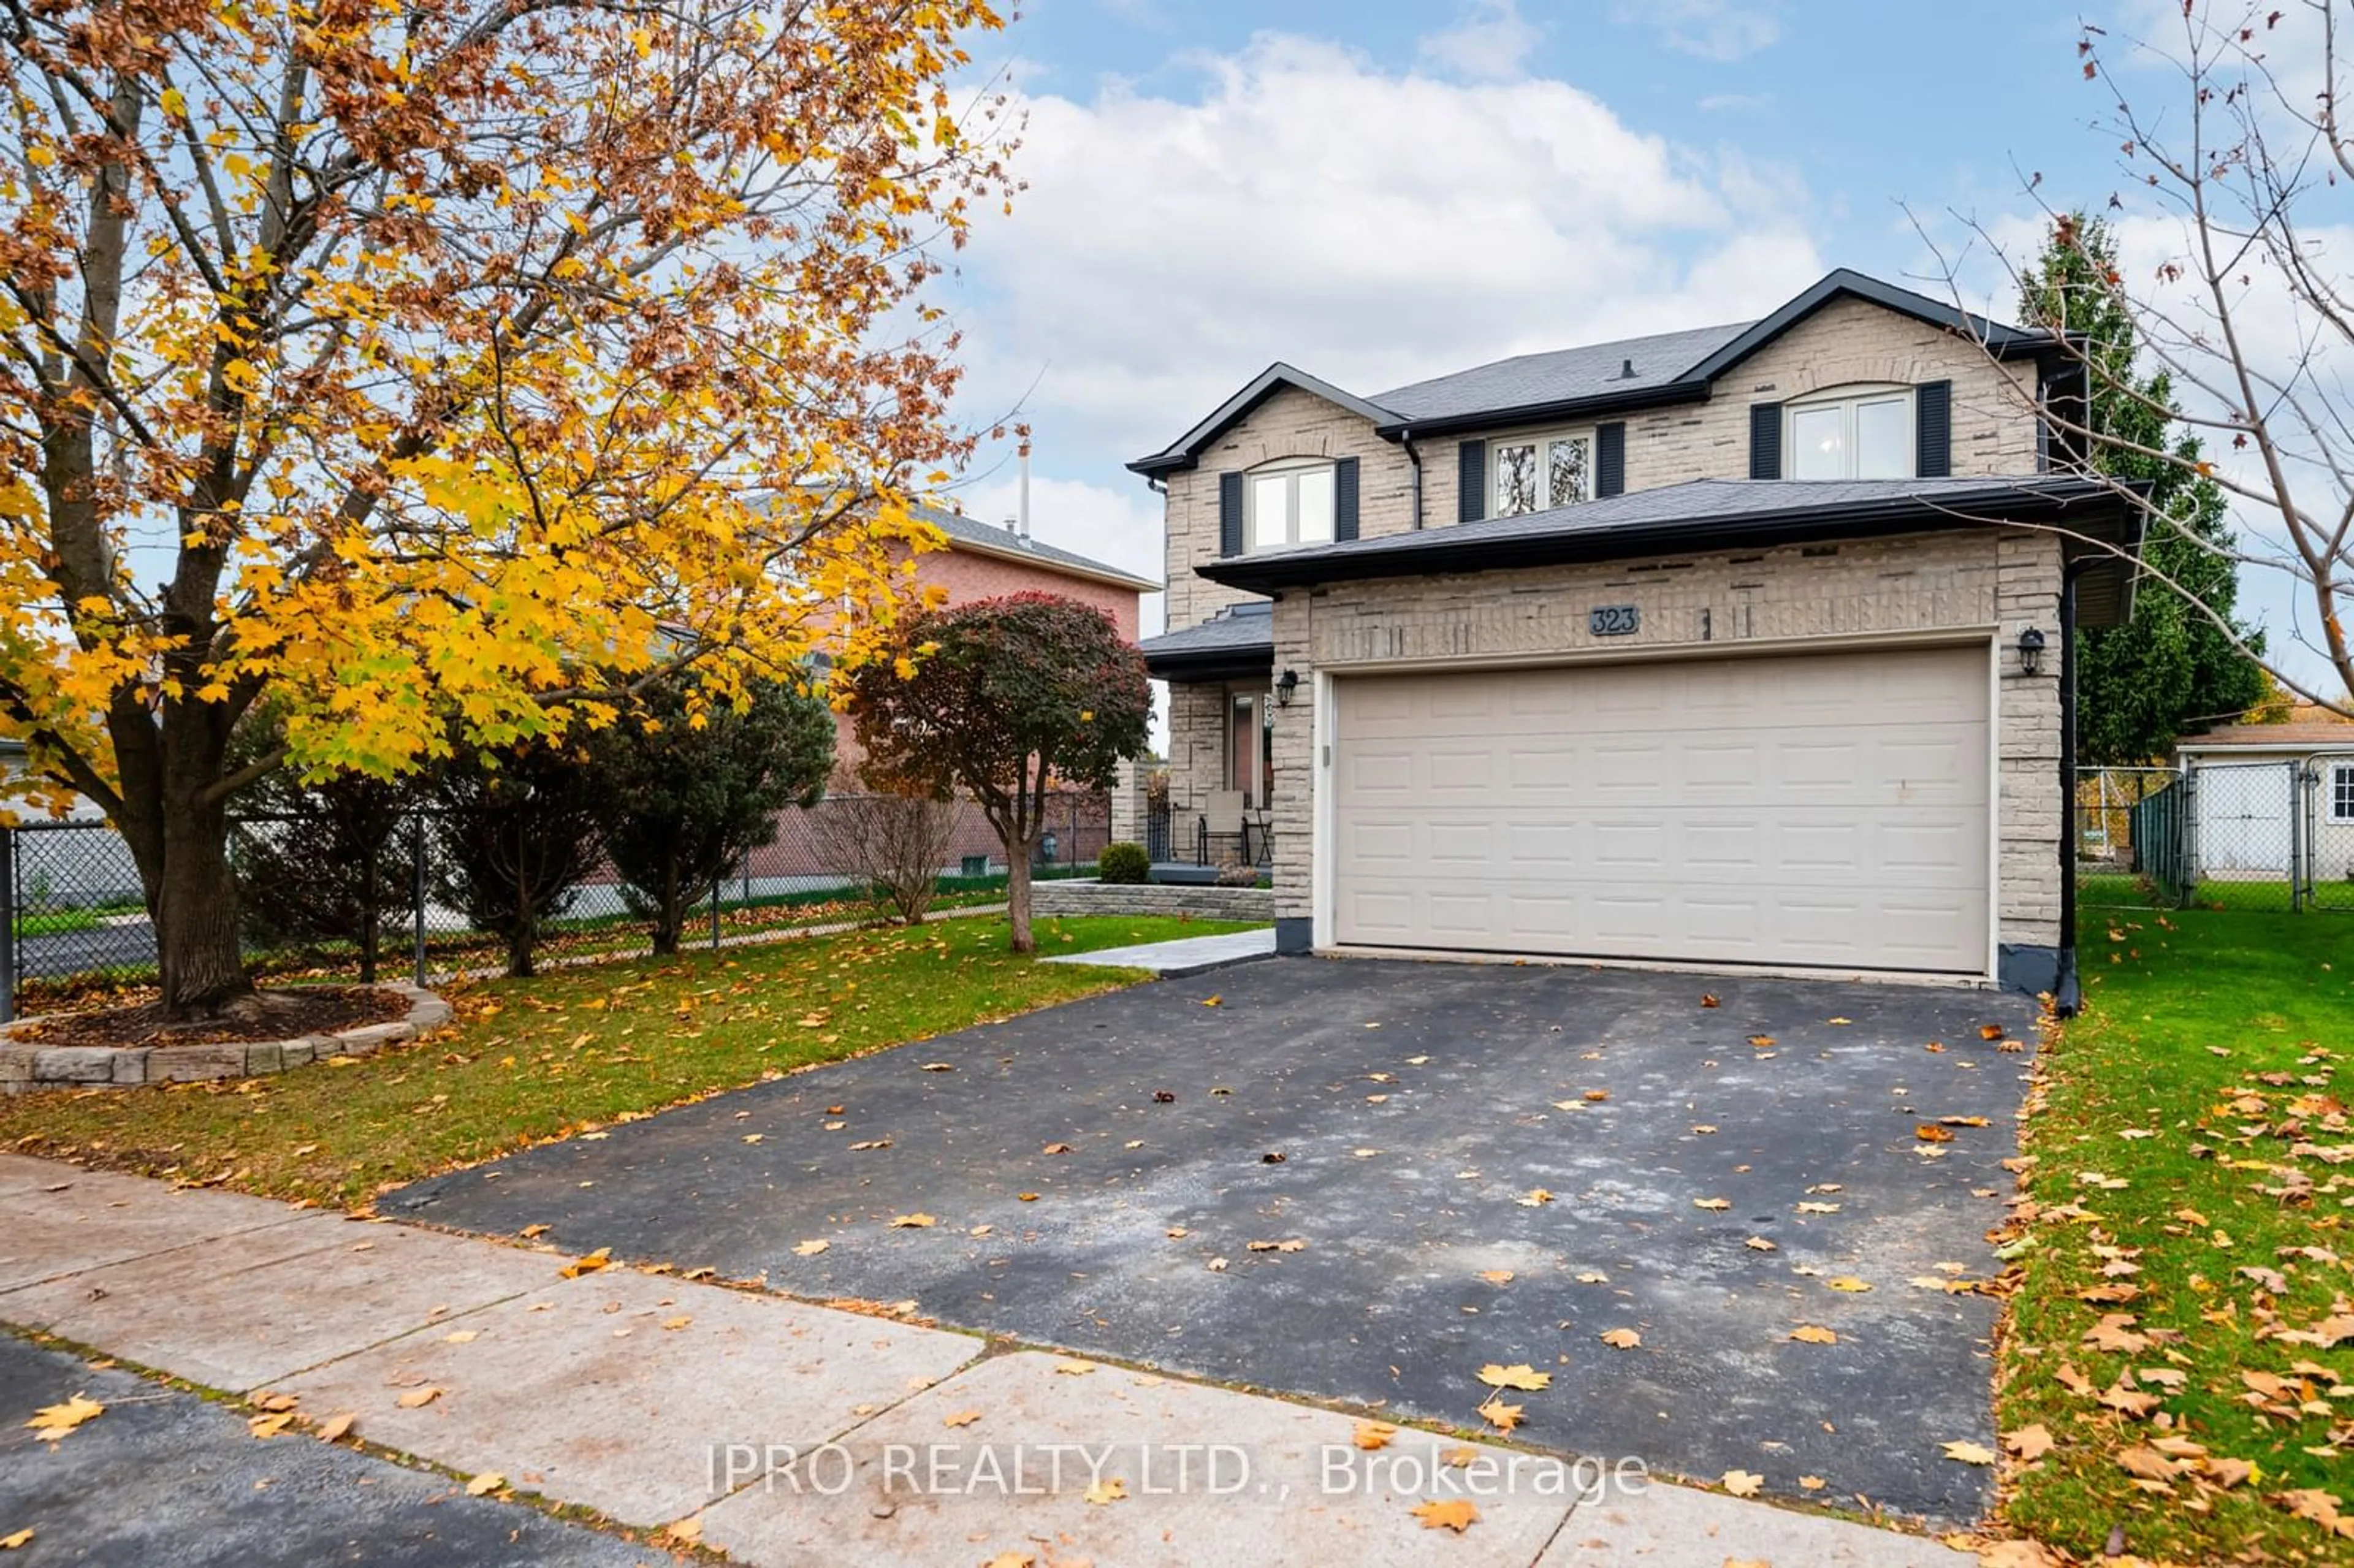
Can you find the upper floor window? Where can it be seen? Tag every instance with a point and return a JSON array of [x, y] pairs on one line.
[[1862, 433], [1290, 504], [1536, 473]]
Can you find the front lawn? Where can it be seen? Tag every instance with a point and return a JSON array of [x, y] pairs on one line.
[[530, 1060], [2181, 1331]]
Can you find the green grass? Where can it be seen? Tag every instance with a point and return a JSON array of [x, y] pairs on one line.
[[530, 1060], [2179, 1136], [51, 922]]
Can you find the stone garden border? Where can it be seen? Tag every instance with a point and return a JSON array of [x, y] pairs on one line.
[[28, 1065]]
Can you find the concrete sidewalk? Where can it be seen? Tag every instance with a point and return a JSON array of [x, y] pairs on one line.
[[785, 1433], [1180, 955]]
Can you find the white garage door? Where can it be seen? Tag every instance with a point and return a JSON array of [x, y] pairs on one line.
[[1824, 809]]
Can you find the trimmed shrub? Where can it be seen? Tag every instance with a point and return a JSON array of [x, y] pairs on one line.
[[1124, 863]]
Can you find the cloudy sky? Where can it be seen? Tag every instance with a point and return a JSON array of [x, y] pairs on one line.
[[1382, 190]]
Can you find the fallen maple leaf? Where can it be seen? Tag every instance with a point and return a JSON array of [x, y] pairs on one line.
[[601, 1258], [1967, 1453], [1814, 1334], [1712, 1204], [484, 1483], [1056, 1148], [1536, 1197], [961, 1418], [1497, 1275], [1497, 1413], [1458, 1514], [1708, 999], [336, 1426], [1849, 1283], [52, 1421], [417, 1398], [913, 1222], [1742, 1483], [530, 1231], [1930, 1132], [1373, 1434], [1110, 1490], [811, 1248], [2030, 1442], [11, 1542], [687, 1531], [1621, 1339], [1814, 1208], [1520, 1376], [1011, 1560], [1072, 1367], [1759, 1243]]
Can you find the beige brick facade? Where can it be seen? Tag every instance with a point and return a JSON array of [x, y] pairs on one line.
[[1848, 343], [1964, 582], [1977, 582]]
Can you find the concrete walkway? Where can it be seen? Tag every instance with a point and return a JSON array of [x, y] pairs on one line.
[[785, 1433], [1180, 957]]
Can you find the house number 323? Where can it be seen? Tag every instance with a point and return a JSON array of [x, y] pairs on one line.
[[1614, 620]]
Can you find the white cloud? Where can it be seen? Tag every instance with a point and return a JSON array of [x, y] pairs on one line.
[[1490, 42], [1371, 227], [1735, 103], [1711, 29]]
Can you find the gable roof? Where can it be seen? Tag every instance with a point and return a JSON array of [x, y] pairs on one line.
[[970, 534], [2001, 340], [1667, 368], [1182, 451]]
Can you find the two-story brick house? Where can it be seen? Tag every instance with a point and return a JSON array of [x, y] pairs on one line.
[[1742, 646]]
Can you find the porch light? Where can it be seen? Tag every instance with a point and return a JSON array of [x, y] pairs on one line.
[[2031, 651], [1285, 687]]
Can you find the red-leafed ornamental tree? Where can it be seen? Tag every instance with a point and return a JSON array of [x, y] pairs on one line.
[[1005, 699]]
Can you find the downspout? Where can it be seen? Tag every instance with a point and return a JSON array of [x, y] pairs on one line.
[[1406, 439], [2067, 992]]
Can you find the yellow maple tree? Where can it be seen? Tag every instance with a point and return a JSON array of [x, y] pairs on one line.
[[472, 362]]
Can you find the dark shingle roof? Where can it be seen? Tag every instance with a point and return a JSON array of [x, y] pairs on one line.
[[1562, 375], [964, 530], [1707, 513], [1239, 637]]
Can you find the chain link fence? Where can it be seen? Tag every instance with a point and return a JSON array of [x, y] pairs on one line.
[[76, 932], [2268, 834]]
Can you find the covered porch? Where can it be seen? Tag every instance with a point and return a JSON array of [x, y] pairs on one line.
[[1218, 813]]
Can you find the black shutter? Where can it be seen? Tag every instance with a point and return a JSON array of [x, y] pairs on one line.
[[1344, 499], [1470, 482], [1764, 440], [1230, 514], [1933, 430], [1610, 459]]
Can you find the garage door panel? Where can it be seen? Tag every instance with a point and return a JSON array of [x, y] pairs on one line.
[[1784, 810]]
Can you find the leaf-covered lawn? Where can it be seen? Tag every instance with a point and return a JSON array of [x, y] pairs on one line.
[[529, 1060], [2182, 1334]]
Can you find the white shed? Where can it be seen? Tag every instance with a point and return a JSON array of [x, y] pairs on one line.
[[2270, 798]]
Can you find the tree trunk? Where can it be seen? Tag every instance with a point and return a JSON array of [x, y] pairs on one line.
[[371, 921], [669, 916], [1017, 895], [195, 910]]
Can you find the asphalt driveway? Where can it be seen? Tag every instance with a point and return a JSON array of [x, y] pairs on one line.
[[1483, 1164]]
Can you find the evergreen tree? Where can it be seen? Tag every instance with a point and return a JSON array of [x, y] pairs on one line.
[[2168, 668]]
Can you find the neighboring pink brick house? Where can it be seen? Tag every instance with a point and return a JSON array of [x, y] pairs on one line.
[[981, 562], [987, 562]]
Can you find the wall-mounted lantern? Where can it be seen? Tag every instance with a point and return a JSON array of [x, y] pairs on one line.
[[2030, 651], [1285, 687]]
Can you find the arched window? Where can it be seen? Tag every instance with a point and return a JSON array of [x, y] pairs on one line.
[[1288, 502], [1851, 432]]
